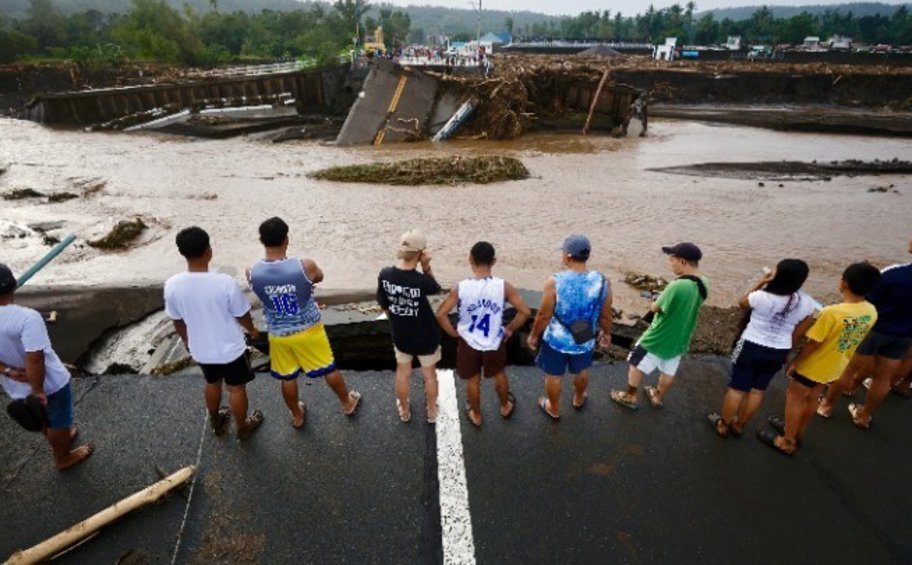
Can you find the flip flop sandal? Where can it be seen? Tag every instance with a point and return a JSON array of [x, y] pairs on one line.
[[769, 438], [512, 400], [714, 420], [734, 431], [654, 397], [354, 394], [622, 399], [543, 404], [222, 422], [902, 392], [823, 413], [476, 421], [778, 424], [303, 408], [433, 419], [250, 425], [583, 403], [854, 410], [404, 417]]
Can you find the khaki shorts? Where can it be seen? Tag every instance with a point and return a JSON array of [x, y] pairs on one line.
[[424, 360]]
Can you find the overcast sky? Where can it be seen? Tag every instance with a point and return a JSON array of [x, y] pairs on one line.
[[628, 7]]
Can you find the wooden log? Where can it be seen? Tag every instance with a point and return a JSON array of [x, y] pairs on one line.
[[52, 546], [595, 99]]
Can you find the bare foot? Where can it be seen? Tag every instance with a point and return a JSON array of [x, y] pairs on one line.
[[75, 457]]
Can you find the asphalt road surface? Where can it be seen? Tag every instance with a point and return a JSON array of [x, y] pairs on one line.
[[603, 485]]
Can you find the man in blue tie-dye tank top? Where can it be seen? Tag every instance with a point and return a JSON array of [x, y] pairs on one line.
[[575, 305]]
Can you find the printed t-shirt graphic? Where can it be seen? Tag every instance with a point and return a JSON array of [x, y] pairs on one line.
[[481, 305], [287, 295], [404, 295], [839, 329]]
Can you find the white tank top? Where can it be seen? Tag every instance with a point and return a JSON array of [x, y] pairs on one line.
[[481, 304]]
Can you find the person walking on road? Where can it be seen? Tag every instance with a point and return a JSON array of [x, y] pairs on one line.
[[208, 311], [880, 356], [403, 293], [668, 337], [297, 339], [829, 345], [576, 304], [35, 379], [480, 333], [779, 315]]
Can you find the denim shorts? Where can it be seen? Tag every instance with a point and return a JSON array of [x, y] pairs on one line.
[[60, 408], [884, 345], [556, 363]]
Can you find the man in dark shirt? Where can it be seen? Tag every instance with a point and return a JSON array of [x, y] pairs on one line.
[[881, 355], [402, 293]]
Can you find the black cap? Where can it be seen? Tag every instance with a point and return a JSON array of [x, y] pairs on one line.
[[7, 281], [685, 250]]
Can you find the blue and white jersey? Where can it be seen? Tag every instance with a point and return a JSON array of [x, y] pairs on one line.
[[580, 296], [481, 305], [286, 294]]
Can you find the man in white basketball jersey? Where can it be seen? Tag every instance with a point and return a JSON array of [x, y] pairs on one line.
[[481, 335]]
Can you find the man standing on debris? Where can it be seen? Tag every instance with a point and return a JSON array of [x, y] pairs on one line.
[[35, 378], [576, 301], [668, 337], [482, 337], [402, 293], [880, 356], [208, 311], [297, 339]]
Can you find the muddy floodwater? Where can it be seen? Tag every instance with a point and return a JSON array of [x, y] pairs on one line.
[[596, 185]]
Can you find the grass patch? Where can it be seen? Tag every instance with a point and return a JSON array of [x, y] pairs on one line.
[[433, 170]]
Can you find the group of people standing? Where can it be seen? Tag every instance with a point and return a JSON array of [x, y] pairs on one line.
[[211, 314]]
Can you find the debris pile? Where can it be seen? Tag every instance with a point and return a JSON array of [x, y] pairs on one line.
[[121, 235], [525, 89], [434, 170], [648, 284], [22, 194]]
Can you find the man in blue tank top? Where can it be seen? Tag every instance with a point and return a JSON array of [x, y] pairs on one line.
[[297, 339], [573, 300]]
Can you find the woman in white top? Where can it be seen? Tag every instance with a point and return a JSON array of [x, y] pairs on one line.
[[780, 314]]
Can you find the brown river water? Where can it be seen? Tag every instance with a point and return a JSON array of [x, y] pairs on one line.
[[595, 185]]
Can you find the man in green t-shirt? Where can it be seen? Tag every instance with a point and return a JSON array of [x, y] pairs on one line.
[[668, 337]]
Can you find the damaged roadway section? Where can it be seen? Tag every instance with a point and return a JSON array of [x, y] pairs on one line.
[[603, 485]]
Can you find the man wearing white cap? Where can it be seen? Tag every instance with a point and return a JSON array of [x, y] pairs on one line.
[[402, 293]]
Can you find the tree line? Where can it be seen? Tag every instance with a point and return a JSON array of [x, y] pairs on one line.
[[762, 27], [152, 30]]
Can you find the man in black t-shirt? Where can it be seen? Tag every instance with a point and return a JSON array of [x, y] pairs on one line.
[[402, 293]]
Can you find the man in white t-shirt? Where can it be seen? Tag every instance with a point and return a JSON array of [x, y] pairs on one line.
[[35, 378], [208, 311]]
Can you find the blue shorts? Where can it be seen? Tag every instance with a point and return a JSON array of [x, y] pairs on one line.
[[554, 362], [60, 408], [755, 365]]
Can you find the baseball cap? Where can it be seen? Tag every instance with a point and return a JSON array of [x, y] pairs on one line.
[[7, 280], [411, 241], [577, 245], [684, 250]]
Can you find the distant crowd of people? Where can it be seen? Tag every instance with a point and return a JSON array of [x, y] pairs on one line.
[[867, 337]]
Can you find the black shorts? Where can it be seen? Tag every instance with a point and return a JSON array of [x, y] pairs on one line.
[[236, 373], [884, 345], [804, 381], [470, 362], [755, 365]]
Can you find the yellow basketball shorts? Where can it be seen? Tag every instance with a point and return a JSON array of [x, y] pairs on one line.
[[307, 351]]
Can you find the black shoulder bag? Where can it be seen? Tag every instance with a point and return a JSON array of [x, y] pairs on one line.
[[581, 330]]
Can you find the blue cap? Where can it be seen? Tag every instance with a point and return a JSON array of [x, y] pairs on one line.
[[685, 250], [577, 246]]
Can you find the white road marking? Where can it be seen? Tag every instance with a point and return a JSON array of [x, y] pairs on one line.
[[455, 517]]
